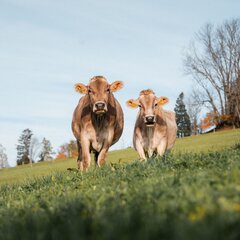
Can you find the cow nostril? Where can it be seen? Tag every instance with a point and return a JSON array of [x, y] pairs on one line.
[[150, 118], [100, 105]]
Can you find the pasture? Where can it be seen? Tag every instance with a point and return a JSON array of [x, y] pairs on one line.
[[194, 193]]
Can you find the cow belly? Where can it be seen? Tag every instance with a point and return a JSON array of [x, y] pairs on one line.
[[148, 142], [148, 147], [102, 139], [152, 142]]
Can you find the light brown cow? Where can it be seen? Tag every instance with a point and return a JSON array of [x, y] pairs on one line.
[[155, 128], [97, 120]]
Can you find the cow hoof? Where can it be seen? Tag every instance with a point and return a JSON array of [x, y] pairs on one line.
[[143, 160]]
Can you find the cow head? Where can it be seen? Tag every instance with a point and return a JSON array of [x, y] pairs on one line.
[[99, 92], [148, 104]]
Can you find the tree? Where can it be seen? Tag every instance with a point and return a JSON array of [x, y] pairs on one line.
[[63, 151], [34, 150], [46, 150], [68, 150], [23, 147], [213, 61], [72, 149], [182, 118], [194, 106], [235, 106], [208, 121], [3, 157]]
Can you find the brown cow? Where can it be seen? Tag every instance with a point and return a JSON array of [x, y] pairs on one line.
[[97, 120], [155, 128]]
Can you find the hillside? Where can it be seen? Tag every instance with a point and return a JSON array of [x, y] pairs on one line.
[[202, 143]]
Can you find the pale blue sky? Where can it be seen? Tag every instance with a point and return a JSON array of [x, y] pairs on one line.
[[48, 45]]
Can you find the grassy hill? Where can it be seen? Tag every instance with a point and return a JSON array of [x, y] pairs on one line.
[[202, 143], [194, 193]]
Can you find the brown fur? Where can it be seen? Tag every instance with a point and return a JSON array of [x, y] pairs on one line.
[[146, 92], [97, 78], [161, 136], [96, 132]]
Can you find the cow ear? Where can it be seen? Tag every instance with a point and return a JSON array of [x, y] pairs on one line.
[[115, 86], [81, 88], [132, 103], [163, 100]]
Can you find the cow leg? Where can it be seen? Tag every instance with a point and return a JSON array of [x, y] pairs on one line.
[[101, 160], [79, 159], [161, 148], [140, 150], [86, 157]]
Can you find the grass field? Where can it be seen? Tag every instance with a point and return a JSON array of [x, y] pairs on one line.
[[194, 193], [202, 143]]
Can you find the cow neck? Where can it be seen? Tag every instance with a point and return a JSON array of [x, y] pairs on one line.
[[99, 121], [150, 131]]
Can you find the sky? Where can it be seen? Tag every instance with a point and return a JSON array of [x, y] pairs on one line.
[[46, 46]]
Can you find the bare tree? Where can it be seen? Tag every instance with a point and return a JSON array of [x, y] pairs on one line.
[[72, 148], [213, 60], [235, 106], [194, 106], [46, 150], [3, 157], [34, 150]]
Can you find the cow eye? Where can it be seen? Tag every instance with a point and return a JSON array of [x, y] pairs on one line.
[[139, 105], [155, 104], [108, 90], [89, 91]]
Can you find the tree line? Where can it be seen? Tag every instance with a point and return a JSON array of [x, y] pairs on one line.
[[30, 150]]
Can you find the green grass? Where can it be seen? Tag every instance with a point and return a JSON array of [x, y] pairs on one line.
[[202, 143], [194, 193], [26, 172], [208, 142]]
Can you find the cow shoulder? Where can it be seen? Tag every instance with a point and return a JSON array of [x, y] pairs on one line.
[[169, 115]]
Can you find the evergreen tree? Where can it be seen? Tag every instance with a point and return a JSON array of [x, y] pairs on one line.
[[23, 147], [182, 118], [46, 150]]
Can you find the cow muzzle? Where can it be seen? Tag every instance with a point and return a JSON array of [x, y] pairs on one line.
[[100, 107], [150, 120]]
